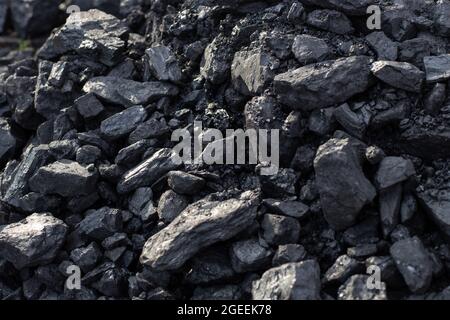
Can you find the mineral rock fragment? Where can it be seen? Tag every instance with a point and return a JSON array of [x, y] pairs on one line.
[[32, 241], [277, 230], [123, 122], [249, 255], [163, 64], [171, 205], [385, 48], [290, 281], [66, 178], [330, 20], [400, 75], [323, 84], [357, 7], [356, 289], [200, 224], [150, 170], [437, 205], [128, 92], [8, 141], [437, 68], [414, 263], [184, 183], [393, 170], [343, 188], [102, 223], [308, 49]]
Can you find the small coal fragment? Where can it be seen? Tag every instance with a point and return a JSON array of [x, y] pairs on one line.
[[163, 64], [393, 170], [437, 68], [308, 49], [249, 255], [400, 75], [278, 230], [123, 122], [330, 20], [184, 183], [356, 289]]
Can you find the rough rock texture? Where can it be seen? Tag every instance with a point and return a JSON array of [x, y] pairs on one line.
[[400, 75], [32, 241]]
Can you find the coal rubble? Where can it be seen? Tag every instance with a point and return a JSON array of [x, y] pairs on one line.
[[90, 178]]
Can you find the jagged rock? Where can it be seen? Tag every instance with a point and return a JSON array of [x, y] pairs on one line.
[[170, 205], [163, 64], [9, 142], [262, 113], [102, 223], [141, 203], [251, 71], [414, 263], [215, 65], [330, 20], [390, 201], [185, 183], [210, 267], [385, 48], [414, 50], [356, 289], [130, 156], [34, 240], [308, 49], [150, 170], [66, 178], [89, 106], [437, 204], [288, 253], [277, 230], [393, 170], [200, 224], [123, 122], [343, 268], [400, 75], [290, 208], [128, 92], [34, 157], [290, 281], [441, 14], [343, 188], [86, 257], [437, 68], [350, 121], [93, 34], [374, 154], [249, 255], [435, 100], [323, 84]]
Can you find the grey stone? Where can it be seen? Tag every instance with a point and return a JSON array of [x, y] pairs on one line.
[[356, 288], [86, 257], [437, 205], [414, 263], [343, 268], [277, 230], [323, 84], [93, 34], [341, 183], [123, 122], [8, 141], [152, 128], [200, 224], [216, 64], [289, 208], [34, 240], [390, 201], [330, 20], [290, 281], [350, 121], [441, 14], [128, 92], [436, 99], [150, 170], [141, 203], [308, 49], [401, 75], [163, 64], [212, 266], [185, 183], [89, 106], [102, 223], [437, 68], [393, 170], [249, 255], [385, 48], [66, 178], [170, 205], [288, 253], [251, 71]]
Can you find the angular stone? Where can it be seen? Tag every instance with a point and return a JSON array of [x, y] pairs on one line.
[[128, 92], [8, 141], [215, 65], [86, 257], [330, 20], [141, 204], [163, 64], [289, 208], [393, 170], [436, 99], [323, 84], [308, 49], [185, 183], [342, 269], [34, 240], [385, 48], [340, 180], [150, 170], [356, 289], [288, 253], [441, 21], [390, 201], [437, 205], [152, 128], [251, 71], [290, 281], [350, 121], [123, 122], [171, 205], [401, 75], [262, 113], [89, 106], [102, 223], [66, 178], [93, 34], [199, 225], [212, 266], [278, 230], [414, 263], [437, 68], [249, 255]]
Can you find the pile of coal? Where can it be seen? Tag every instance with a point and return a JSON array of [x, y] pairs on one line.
[[90, 180]]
